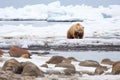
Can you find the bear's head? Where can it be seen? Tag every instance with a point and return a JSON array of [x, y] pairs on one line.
[[79, 32]]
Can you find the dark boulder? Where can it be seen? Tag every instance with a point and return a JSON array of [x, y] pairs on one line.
[[12, 65], [116, 68], [30, 69], [89, 63], [18, 52], [70, 68], [107, 61], [56, 60], [100, 69]]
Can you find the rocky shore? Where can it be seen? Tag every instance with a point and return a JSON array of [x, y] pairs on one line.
[[14, 66], [12, 69]]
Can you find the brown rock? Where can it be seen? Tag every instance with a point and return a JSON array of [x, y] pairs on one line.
[[9, 76], [23, 64], [3, 78], [15, 77], [44, 65], [72, 59], [12, 65], [2, 59], [1, 52], [70, 68], [100, 69], [56, 59], [25, 56], [50, 72], [66, 61], [87, 72], [69, 60], [29, 78], [18, 52], [30, 69], [107, 61], [116, 68], [89, 63], [5, 75]]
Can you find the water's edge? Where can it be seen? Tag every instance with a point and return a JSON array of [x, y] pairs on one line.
[[72, 48]]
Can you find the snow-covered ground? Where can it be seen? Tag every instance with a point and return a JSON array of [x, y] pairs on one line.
[[96, 32], [101, 25]]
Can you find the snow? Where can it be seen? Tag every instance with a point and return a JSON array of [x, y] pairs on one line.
[[55, 34], [56, 11], [95, 23], [101, 25], [102, 77]]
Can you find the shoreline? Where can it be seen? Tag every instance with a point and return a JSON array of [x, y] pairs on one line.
[[77, 48], [71, 48]]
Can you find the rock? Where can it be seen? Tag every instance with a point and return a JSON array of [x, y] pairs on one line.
[[16, 68], [16, 77], [44, 65], [1, 52], [50, 72], [107, 61], [3, 78], [18, 52], [89, 63], [12, 65], [70, 69], [25, 56], [56, 59], [72, 59], [116, 68], [0, 68], [30, 69], [69, 60], [23, 64], [87, 72], [2, 59], [100, 69], [66, 61], [29, 78], [5, 75]]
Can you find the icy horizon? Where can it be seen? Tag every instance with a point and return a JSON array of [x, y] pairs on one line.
[[93, 3], [101, 24], [56, 11]]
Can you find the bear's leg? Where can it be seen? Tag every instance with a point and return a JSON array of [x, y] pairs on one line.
[[70, 37]]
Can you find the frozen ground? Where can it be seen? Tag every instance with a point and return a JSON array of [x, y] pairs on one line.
[[102, 27], [103, 32]]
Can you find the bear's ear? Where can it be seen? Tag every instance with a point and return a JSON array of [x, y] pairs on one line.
[[77, 24]]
